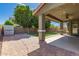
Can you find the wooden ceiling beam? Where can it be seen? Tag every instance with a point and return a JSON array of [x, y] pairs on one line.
[[53, 17]]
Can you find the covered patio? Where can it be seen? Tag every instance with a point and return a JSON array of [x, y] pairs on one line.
[[60, 12], [64, 13]]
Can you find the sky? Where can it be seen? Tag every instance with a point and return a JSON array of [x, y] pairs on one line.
[[7, 10]]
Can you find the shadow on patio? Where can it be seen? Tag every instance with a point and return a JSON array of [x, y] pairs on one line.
[[51, 49], [70, 43], [16, 37]]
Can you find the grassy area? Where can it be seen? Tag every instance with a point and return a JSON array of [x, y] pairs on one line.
[[46, 34], [50, 33], [0, 26]]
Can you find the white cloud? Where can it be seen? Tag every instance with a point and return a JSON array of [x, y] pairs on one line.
[[21, 4]]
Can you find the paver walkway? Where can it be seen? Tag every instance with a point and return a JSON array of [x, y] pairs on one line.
[[23, 45], [20, 44]]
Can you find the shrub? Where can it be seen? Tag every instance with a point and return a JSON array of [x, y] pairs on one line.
[[8, 22]]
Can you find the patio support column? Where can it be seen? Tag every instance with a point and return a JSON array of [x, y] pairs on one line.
[[61, 28], [70, 27], [41, 27]]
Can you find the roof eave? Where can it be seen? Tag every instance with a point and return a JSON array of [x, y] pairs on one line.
[[36, 11]]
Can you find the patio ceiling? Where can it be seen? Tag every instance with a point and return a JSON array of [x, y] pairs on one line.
[[60, 11]]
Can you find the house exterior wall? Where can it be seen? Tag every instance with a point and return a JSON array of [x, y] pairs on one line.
[[73, 27]]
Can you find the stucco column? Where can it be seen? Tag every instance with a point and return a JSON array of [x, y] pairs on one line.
[[61, 28], [70, 27], [41, 27]]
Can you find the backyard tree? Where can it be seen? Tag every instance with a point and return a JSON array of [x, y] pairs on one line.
[[47, 24], [23, 16], [35, 22]]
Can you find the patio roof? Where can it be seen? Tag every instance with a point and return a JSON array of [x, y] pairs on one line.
[[41, 5], [58, 11]]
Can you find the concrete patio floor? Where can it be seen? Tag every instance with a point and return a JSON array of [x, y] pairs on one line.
[[26, 45], [70, 43]]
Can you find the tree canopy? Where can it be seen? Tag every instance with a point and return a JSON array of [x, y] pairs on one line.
[[23, 15], [35, 22], [47, 24]]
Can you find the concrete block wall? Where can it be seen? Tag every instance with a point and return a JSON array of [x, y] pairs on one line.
[[18, 30]]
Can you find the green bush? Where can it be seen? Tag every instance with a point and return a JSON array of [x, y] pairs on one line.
[[8, 22]]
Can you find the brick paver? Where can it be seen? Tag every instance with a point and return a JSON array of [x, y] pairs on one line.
[[20, 44], [26, 45]]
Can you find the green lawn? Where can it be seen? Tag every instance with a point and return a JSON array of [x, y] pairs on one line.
[[0, 26], [50, 33], [46, 34]]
